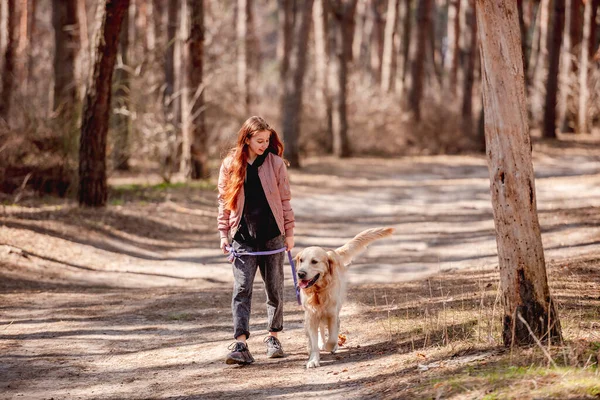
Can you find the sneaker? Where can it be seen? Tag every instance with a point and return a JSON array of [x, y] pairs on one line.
[[239, 354], [274, 349]]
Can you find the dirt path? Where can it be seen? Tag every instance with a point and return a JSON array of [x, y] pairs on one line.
[[133, 301]]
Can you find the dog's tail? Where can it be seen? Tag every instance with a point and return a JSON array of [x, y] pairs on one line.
[[360, 242]]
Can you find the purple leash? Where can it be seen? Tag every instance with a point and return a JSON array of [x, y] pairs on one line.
[[235, 254]]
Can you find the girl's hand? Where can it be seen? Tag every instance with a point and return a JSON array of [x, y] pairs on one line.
[[224, 245], [289, 243]]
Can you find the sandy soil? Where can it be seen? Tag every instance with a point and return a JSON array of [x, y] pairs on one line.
[[134, 301]]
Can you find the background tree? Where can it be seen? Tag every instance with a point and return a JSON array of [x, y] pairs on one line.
[[194, 159], [522, 266], [92, 152], [66, 39], [342, 12], [294, 82], [555, 41], [121, 100], [424, 29], [9, 62]]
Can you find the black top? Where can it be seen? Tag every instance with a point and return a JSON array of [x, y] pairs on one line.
[[258, 223]]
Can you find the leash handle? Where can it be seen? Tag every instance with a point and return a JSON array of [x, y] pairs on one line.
[[294, 275]]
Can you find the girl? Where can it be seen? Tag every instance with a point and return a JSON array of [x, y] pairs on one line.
[[255, 215]]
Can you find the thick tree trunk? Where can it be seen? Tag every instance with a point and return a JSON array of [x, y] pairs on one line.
[[92, 151], [424, 28], [582, 110], [522, 267], [342, 15], [122, 103], [194, 159], [389, 53], [558, 18], [9, 62], [67, 40], [294, 84]]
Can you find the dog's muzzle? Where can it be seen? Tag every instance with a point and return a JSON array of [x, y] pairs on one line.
[[305, 284]]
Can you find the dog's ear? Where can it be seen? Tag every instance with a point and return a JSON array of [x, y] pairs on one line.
[[332, 262], [297, 258]]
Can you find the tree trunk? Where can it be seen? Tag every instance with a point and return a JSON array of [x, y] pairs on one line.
[[172, 24], [92, 152], [342, 14], [243, 50], [467, 104], [523, 30], [582, 110], [66, 39], [453, 45], [377, 37], [558, 18], [571, 50], [122, 103], [82, 64], [424, 28], [284, 41], [405, 60], [389, 55], [9, 62], [358, 46], [539, 72], [322, 51], [194, 159], [523, 279], [294, 83]]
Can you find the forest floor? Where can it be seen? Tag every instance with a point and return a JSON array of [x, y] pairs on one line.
[[133, 301]]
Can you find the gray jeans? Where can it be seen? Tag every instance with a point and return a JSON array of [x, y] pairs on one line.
[[244, 271]]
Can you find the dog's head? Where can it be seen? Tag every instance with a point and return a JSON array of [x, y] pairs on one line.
[[314, 265]]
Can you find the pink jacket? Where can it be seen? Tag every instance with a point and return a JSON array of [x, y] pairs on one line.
[[274, 179]]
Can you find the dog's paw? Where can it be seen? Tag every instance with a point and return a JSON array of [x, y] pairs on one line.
[[331, 347], [313, 363]]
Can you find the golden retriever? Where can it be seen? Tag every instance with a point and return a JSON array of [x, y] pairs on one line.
[[322, 282]]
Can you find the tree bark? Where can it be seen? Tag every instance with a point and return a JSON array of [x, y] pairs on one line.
[[558, 18], [66, 39], [122, 103], [342, 14], [92, 151], [522, 267], [424, 28], [294, 83], [389, 55], [9, 62], [194, 159]]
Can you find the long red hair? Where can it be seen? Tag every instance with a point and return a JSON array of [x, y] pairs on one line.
[[239, 157]]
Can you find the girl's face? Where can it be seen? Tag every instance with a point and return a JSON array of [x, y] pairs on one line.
[[258, 143]]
